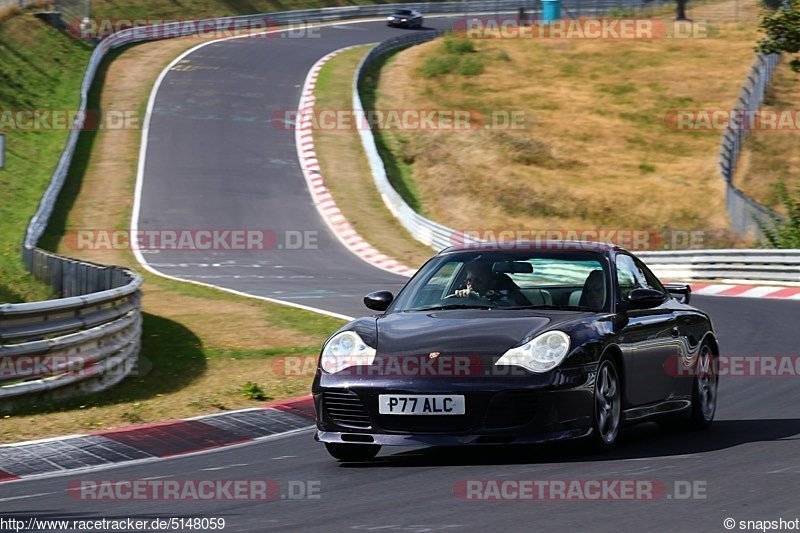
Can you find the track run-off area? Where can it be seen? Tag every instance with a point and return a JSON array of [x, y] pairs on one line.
[[207, 165]]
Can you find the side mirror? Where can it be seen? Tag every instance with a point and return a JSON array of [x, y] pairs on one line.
[[681, 291], [644, 298], [378, 301]]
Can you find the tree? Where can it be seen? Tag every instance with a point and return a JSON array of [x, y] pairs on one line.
[[782, 29]]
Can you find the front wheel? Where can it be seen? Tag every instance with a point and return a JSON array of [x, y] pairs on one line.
[[352, 452], [607, 405]]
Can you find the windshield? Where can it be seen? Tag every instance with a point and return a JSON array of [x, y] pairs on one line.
[[509, 280], [402, 12]]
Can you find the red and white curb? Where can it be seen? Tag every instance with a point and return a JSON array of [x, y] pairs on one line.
[[746, 291], [323, 200], [152, 442]]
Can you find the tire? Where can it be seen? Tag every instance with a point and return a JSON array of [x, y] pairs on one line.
[[607, 417], [352, 452], [704, 391], [704, 396]]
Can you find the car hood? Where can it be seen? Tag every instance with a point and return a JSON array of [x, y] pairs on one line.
[[461, 332]]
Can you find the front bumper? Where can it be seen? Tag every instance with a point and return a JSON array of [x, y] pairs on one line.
[[509, 410]]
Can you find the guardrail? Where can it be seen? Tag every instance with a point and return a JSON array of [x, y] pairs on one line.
[[84, 342], [779, 266], [759, 265]]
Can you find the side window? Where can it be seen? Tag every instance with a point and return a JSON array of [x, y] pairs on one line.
[[650, 278], [629, 276]]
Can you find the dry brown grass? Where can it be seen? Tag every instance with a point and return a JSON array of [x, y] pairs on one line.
[[6, 13], [347, 172], [595, 149], [771, 156]]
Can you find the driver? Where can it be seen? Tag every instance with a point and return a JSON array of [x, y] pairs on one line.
[[482, 282]]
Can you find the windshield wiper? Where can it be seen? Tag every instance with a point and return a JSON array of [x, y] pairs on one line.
[[449, 306], [559, 307]]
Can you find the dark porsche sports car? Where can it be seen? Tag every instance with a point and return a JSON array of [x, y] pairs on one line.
[[518, 344], [406, 18]]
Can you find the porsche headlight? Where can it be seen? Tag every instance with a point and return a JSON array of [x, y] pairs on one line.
[[344, 350], [540, 354]]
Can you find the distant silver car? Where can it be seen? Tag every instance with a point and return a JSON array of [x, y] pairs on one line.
[[405, 18]]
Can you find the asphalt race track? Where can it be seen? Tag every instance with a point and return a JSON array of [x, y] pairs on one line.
[[206, 168], [217, 159]]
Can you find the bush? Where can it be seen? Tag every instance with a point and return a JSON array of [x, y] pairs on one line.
[[784, 233], [470, 66], [458, 45], [438, 65], [254, 391]]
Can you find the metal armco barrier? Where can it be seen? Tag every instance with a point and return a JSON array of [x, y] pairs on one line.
[[781, 266], [84, 342], [758, 265]]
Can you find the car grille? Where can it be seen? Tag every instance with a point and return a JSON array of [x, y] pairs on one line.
[[424, 423], [511, 408], [345, 409]]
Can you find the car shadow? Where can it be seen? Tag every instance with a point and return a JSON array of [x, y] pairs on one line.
[[642, 441]]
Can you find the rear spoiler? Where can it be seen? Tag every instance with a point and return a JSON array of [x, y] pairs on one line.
[[680, 291]]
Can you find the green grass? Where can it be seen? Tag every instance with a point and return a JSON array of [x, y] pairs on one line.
[[390, 147], [41, 68]]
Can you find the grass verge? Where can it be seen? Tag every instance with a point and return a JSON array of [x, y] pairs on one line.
[[771, 155], [203, 350], [41, 68], [346, 171], [594, 148]]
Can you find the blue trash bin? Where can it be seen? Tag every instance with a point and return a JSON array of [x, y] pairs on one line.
[[551, 10]]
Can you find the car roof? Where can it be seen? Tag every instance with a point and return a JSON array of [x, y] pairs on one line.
[[554, 245]]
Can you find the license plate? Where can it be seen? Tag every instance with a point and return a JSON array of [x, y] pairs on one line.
[[435, 404]]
